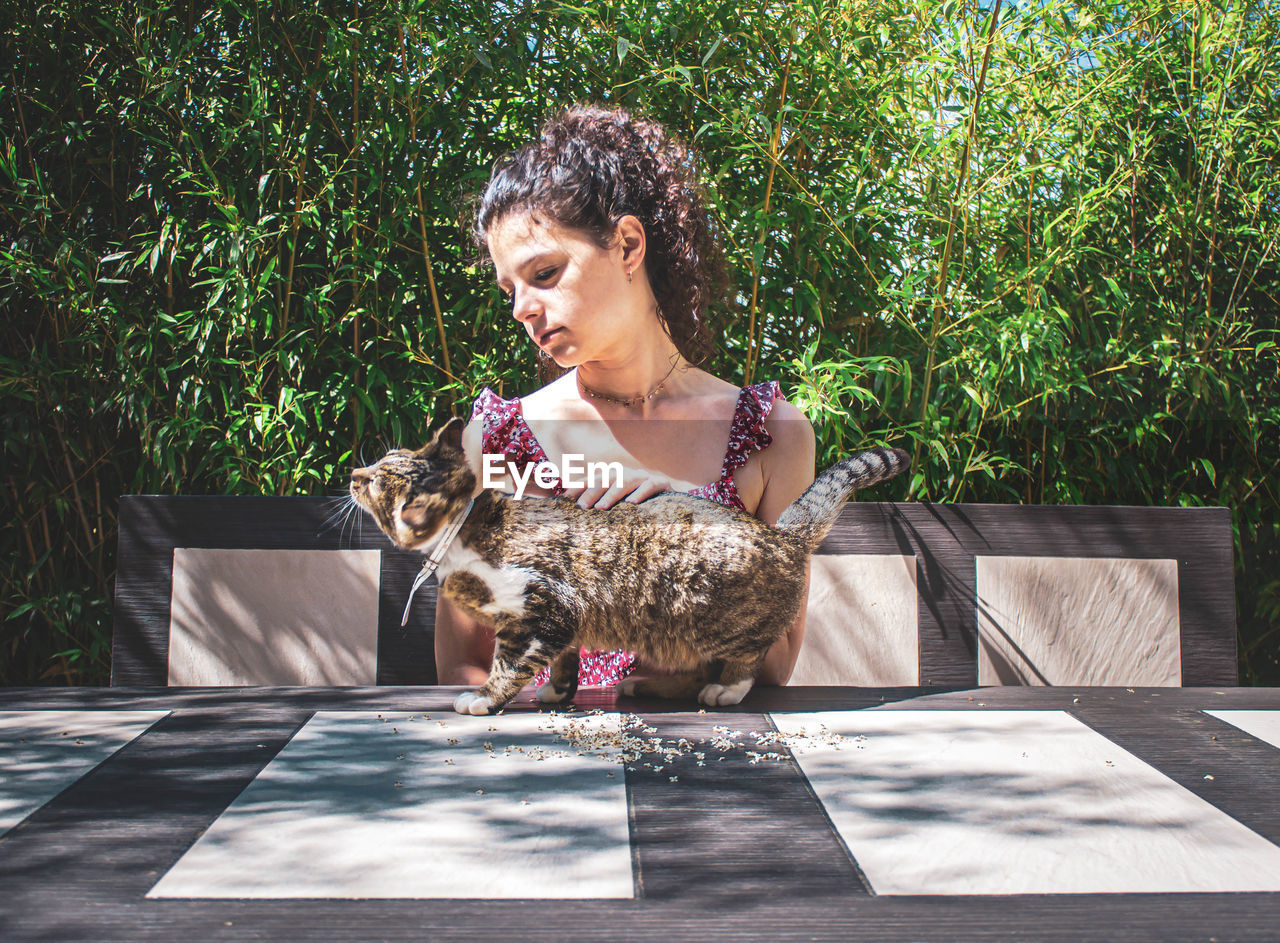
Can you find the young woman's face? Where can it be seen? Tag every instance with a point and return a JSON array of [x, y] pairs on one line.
[[570, 295]]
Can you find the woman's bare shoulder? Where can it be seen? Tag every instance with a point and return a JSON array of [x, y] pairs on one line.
[[788, 419], [473, 444], [557, 400], [789, 460], [706, 396], [787, 465], [698, 395], [710, 384]]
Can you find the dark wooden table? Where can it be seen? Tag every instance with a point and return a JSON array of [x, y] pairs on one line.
[[742, 848]]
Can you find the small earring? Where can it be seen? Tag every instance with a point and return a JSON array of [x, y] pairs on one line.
[[628, 276]]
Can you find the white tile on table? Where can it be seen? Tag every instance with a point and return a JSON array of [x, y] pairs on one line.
[[292, 617], [1074, 620], [1262, 725], [862, 624], [44, 752], [361, 805], [1016, 802]]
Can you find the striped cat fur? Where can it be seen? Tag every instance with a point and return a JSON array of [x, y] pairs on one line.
[[693, 587]]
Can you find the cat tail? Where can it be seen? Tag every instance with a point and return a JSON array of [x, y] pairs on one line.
[[813, 514]]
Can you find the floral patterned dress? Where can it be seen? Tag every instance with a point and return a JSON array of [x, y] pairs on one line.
[[506, 433]]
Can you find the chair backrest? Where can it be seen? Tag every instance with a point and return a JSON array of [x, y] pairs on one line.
[[265, 590], [965, 594]]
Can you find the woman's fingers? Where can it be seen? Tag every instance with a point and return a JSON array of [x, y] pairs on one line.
[[648, 488], [635, 490], [603, 498], [589, 497], [616, 494]]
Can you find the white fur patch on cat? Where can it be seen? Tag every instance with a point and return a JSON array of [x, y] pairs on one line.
[[508, 584], [717, 695], [548, 694], [469, 702]]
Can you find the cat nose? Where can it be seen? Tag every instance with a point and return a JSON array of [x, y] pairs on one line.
[[361, 476]]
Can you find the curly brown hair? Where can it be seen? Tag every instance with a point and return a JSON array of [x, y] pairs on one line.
[[592, 165]]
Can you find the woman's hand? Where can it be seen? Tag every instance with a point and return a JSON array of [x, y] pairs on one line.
[[636, 485]]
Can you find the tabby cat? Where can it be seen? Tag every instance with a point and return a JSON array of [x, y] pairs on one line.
[[695, 587]]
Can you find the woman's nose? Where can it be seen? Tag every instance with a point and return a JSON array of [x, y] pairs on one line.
[[525, 306]]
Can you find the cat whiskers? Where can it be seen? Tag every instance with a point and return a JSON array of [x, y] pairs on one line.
[[382, 444], [347, 512]]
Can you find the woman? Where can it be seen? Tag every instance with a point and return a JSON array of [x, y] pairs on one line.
[[599, 237]]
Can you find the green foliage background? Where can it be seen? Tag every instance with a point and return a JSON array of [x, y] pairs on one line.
[[1036, 243]]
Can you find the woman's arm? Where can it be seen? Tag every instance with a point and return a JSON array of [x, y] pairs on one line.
[[781, 659], [464, 646], [787, 467]]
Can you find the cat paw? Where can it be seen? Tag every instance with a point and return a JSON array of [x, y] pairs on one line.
[[627, 687], [720, 695], [548, 693], [469, 702]]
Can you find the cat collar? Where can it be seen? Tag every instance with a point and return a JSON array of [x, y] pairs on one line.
[[433, 561]]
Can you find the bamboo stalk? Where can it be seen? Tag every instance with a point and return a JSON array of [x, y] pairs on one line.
[[1031, 190], [431, 286], [940, 298], [48, 540], [26, 536], [357, 343], [71, 476], [97, 497], [312, 91], [768, 193], [426, 248], [1044, 453]]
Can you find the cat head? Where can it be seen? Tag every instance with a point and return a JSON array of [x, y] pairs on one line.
[[413, 495]]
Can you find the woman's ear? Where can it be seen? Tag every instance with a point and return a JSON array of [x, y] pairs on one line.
[[631, 238]]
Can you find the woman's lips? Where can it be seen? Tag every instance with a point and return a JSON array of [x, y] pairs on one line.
[[545, 335]]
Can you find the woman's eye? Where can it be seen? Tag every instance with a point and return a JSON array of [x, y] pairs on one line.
[[542, 276]]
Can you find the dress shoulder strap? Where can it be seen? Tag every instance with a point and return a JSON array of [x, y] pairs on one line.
[[503, 429], [747, 433]]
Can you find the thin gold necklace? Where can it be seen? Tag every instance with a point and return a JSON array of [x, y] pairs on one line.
[[633, 401]]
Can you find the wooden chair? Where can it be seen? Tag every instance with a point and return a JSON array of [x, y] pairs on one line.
[[266, 590]]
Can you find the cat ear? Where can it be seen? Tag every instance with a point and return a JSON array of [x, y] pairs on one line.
[[451, 434]]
